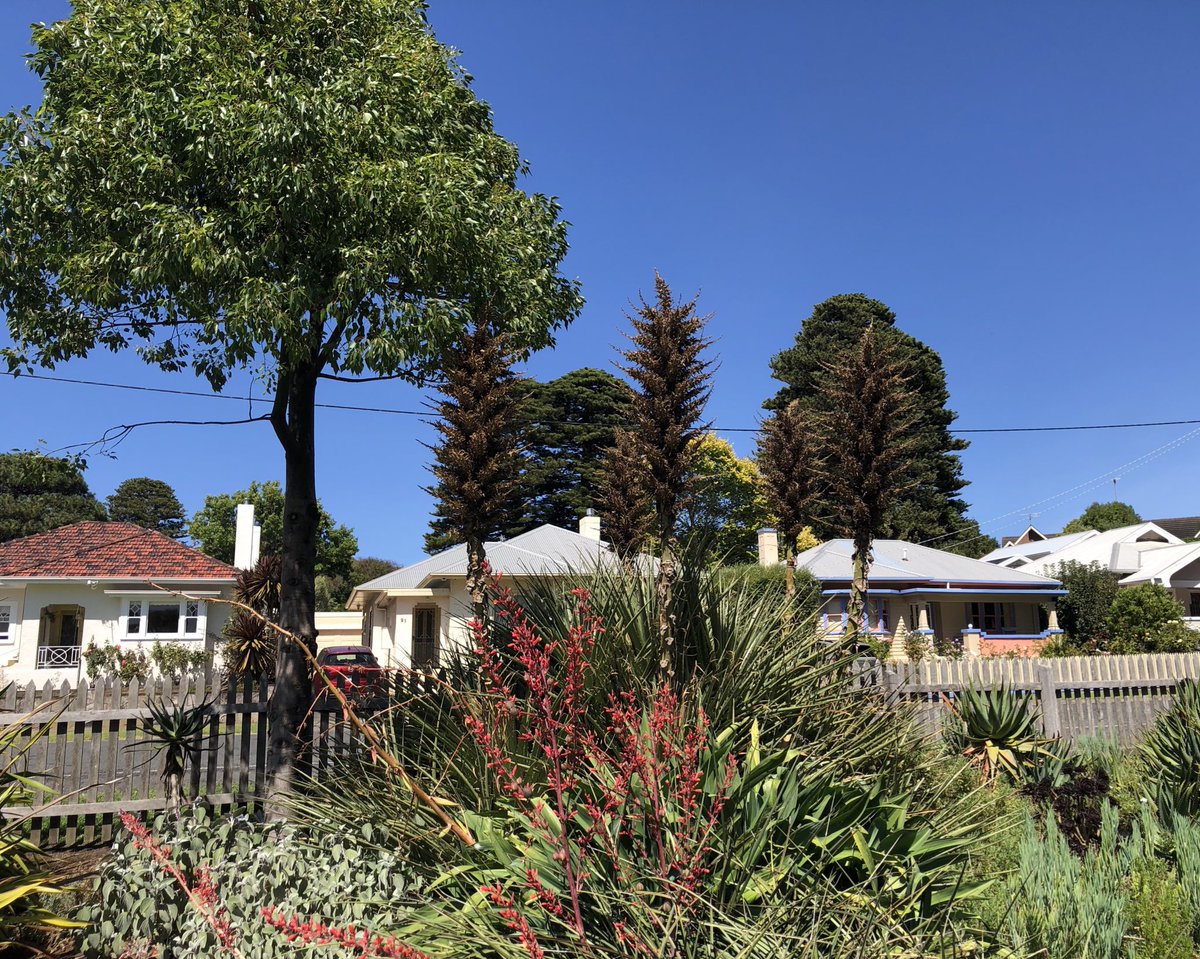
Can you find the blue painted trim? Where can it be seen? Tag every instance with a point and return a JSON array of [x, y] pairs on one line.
[[957, 591]]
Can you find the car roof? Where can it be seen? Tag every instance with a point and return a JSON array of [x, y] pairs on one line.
[[347, 649]]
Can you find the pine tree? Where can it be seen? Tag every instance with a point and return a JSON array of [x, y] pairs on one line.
[[477, 460], [673, 384], [789, 459], [871, 445], [149, 503]]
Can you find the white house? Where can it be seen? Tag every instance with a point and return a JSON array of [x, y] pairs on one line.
[[413, 616], [103, 583], [1120, 550]]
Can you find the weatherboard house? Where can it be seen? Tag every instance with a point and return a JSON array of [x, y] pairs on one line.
[[103, 583], [941, 596], [417, 616]]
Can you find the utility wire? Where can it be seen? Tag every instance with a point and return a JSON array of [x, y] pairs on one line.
[[720, 429]]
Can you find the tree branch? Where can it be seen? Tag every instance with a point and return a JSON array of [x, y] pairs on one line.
[[436, 806], [114, 436]]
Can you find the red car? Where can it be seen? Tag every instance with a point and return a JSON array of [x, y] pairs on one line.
[[355, 671]]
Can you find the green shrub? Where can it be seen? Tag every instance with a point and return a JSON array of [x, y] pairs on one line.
[[105, 662], [139, 904], [175, 660], [1147, 619], [1083, 612], [1064, 907], [1159, 912]]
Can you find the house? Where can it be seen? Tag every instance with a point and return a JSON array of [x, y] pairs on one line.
[[1185, 527], [103, 583], [942, 596], [1118, 550], [1177, 568], [413, 616], [1031, 535]]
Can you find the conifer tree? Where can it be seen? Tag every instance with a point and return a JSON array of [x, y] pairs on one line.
[[477, 460], [870, 441], [672, 382], [789, 460]]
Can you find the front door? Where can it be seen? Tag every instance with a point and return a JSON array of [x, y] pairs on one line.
[[59, 636]]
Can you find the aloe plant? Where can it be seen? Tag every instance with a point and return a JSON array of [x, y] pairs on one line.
[[175, 731], [1170, 754], [999, 731]]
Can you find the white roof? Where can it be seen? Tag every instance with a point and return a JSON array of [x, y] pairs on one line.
[[1159, 565], [898, 561], [545, 551], [1118, 549]]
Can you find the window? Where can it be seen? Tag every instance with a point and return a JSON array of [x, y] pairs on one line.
[[5, 623], [166, 619], [425, 637], [994, 617], [1194, 605]]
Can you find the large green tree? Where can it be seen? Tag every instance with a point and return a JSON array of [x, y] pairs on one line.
[[726, 503], [1103, 517], [150, 503], [567, 426], [311, 188], [931, 508], [213, 529], [40, 493]]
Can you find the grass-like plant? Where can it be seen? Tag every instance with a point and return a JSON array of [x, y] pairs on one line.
[[1170, 754], [175, 731]]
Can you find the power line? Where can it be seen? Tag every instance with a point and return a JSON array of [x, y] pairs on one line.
[[720, 429]]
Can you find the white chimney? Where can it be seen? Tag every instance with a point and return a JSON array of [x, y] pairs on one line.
[[589, 525], [246, 537], [768, 547]]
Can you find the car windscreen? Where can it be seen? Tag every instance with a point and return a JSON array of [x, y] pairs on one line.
[[350, 659]]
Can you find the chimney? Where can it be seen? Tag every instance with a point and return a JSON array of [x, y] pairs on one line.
[[247, 535], [589, 525], [768, 547]]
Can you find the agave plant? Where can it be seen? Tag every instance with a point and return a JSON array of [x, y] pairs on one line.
[[1170, 754], [23, 885], [999, 731], [175, 731]]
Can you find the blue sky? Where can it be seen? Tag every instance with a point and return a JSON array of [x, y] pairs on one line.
[[1017, 181]]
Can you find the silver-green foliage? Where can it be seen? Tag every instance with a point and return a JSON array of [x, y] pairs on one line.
[[1064, 907], [138, 902]]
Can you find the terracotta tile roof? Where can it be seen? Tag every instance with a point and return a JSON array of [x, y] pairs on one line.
[[96, 550]]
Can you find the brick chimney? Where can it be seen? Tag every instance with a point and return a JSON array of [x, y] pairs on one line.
[[768, 547]]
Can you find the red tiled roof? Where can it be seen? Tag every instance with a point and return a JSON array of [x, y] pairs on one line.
[[96, 550]]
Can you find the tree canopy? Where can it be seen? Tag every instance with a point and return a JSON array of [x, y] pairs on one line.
[[150, 503], [1102, 517], [305, 188], [726, 502], [930, 508], [212, 529], [40, 493]]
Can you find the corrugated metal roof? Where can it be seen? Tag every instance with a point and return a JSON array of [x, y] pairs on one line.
[[1039, 547], [546, 550], [1163, 563], [898, 561], [1096, 548]]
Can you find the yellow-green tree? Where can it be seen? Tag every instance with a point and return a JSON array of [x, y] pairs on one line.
[[727, 501]]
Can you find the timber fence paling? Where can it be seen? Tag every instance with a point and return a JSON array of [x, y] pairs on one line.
[[1118, 697]]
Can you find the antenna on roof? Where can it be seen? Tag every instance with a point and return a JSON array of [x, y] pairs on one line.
[[1115, 478]]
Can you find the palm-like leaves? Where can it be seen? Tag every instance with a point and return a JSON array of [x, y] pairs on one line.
[[1170, 753], [175, 731]]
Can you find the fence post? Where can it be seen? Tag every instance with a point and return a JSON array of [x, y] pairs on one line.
[[1049, 696]]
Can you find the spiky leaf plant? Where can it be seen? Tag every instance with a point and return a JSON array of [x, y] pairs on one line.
[[175, 731], [23, 884], [999, 731], [1170, 754]]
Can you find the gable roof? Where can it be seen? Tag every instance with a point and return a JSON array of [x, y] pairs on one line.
[[107, 551], [1159, 565], [547, 550], [1115, 549], [897, 561], [1185, 527]]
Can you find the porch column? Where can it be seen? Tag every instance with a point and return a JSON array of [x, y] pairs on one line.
[[1052, 617], [923, 617], [971, 641]]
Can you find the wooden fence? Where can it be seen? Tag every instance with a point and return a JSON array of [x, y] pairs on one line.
[[94, 751], [1080, 696], [96, 754]]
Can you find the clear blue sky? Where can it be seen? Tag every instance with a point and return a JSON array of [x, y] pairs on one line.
[[1017, 181]]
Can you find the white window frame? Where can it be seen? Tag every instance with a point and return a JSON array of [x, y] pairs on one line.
[[8, 624], [189, 609]]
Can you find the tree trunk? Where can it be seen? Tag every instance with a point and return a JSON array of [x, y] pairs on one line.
[[294, 421], [477, 579], [856, 608], [667, 573], [790, 575]]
